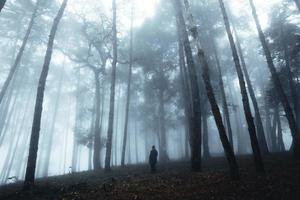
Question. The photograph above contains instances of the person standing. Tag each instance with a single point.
(153, 159)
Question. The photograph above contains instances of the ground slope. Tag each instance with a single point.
(172, 181)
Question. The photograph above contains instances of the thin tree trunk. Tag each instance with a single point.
(115, 145)
(282, 96)
(52, 127)
(136, 140)
(75, 143)
(185, 90)
(206, 153)
(2, 3)
(250, 121)
(163, 156)
(20, 128)
(112, 90)
(273, 133)
(211, 97)
(292, 85)
(260, 129)
(66, 141)
(268, 123)
(280, 144)
(34, 140)
(297, 4)
(9, 119)
(6, 111)
(97, 133)
(223, 95)
(128, 91)
(92, 131)
(195, 93)
(16, 64)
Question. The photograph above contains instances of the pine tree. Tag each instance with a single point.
(35, 132)
(195, 123)
(112, 90)
(247, 110)
(278, 85)
(18, 59)
(2, 3)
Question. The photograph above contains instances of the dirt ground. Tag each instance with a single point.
(173, 181)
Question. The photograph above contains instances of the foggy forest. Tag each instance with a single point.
(149, 99)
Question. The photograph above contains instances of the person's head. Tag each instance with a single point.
(153, 147)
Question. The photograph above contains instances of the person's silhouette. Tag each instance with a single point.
(153, 159)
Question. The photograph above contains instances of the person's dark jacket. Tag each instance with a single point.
(153, 157)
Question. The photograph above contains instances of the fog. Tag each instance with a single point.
(78, 106)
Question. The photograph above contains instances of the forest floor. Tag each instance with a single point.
(173, 181)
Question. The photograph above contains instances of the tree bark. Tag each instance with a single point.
(185, 89)
(250, 121)
(75, 143)
(17, 61)
(223, 95)
(281, 94)
(273, 132)
(292, 85)
(2, 3)
(34, 140)
(297, 4)
(97, 130)
(52, 127)
(195, 94)
(19, 131)
(211, 97)
(112, 90)
(206, 153)
(268, 123)
(163, 156)
(279, 139)
(128, 91)
(259, 125)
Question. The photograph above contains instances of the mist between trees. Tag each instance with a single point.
(90, 85)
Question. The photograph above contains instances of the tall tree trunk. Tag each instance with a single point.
(297, 4)
(35, 133)
(163, 156)
(2, 3)
(274, 130)
(91, 135)
(292, 85)
(19, 133)
(206, 154)
(211, 97)
(115, 136)
(195, 93)
(128, 91)
(16, 63)
(75, 142)
(268, 123)
(112, 90)
(250, 121)
(223, 95)
(282, 96)
(280, 144)
(12, 106)
(5, 111)
(185, 89)
(259, 125)
(136, 140)
(52, 127)
(97, 133)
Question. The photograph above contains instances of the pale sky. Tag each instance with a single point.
(146, 8)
